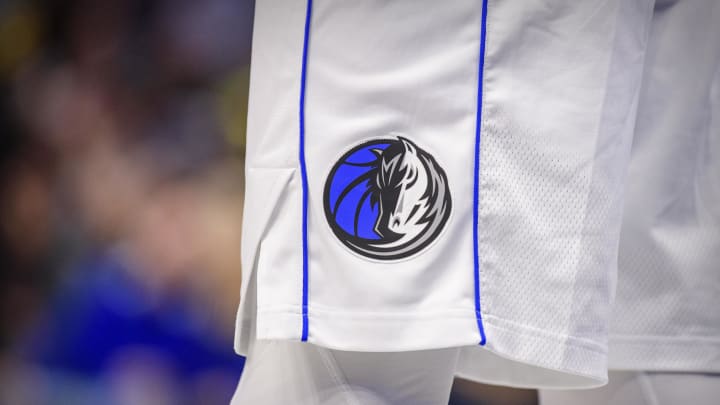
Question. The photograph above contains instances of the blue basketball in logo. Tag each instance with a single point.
(387, 199)
(350, 189)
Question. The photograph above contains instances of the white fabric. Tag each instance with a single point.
(667, 311)
(283, 372)
(643, 388)
(561, 80)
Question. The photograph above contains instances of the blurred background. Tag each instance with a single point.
(121, 139)
(121, 144)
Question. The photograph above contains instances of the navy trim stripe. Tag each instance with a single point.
(476, 185)
(303, 172)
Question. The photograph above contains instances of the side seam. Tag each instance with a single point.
(476, 184)
(303, 172)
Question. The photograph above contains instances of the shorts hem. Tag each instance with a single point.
(514, 355)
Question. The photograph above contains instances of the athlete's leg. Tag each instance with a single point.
(280, 372)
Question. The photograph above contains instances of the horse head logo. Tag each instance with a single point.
(402, 202)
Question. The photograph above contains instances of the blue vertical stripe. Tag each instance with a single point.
(476, 185)
(476, 191)
(303, 172)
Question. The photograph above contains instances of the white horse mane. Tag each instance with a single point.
(412, 194)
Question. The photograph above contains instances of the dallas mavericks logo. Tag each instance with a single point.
(387, 199)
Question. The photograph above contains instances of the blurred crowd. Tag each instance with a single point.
(121, 141)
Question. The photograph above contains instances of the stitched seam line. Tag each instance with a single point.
(476, 183)
(303, 170)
